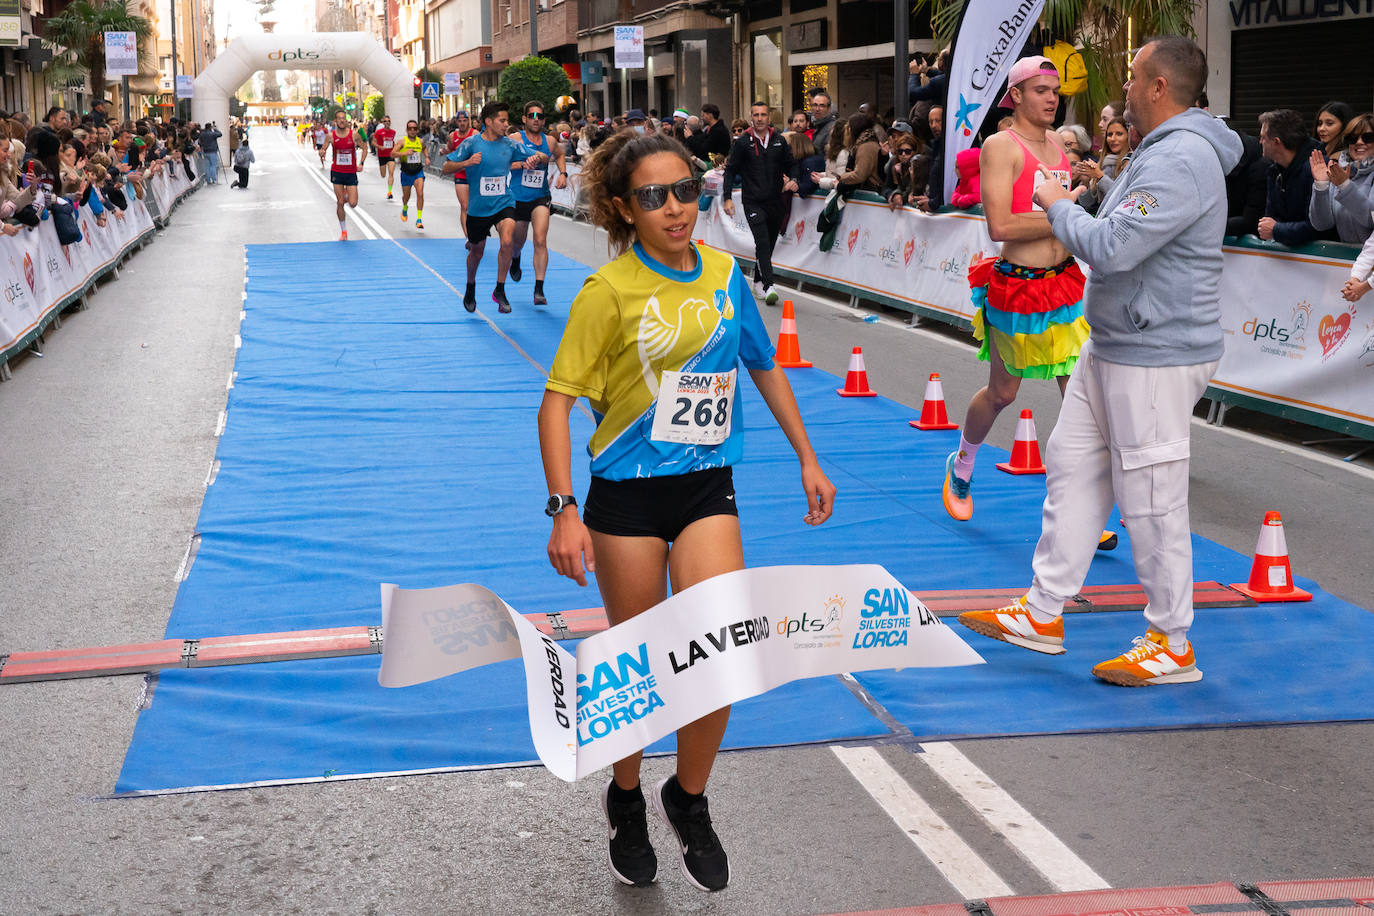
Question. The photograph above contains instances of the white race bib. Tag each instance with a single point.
(493, 186)
(343, 158)
(413, 158)
(532, 178)
(694, 407)
(1062, 176)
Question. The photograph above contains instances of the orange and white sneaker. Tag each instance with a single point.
(956, 492)
(1015, 625)
(343, 236)
(1151, 661)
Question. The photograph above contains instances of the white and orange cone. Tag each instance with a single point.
(789, 345)
(1271, 575)
(933, 414)
(856, 381)
(1025, 452)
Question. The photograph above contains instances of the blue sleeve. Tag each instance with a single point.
(755, 346)
(461, 152)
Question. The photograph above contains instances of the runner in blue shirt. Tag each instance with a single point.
(489, 158)
(533, 202)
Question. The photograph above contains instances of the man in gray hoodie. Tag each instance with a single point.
(1153, 300)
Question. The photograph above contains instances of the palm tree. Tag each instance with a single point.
(1104, 31)
(80, 30)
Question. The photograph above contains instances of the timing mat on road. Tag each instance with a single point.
(378, 432)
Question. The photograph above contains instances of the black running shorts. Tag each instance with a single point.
(524, 209)
(347, 179)
(479, 227)
(658, 507)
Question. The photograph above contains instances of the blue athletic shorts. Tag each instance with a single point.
(407, 179)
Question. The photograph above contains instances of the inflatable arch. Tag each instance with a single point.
(311, 51)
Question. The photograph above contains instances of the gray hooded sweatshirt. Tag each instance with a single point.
(1153, 297)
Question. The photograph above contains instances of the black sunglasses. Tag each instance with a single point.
(653, 196)
(1359, 138)
(906, 151)
(537, 115)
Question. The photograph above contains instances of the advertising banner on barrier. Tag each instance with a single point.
(729, 638)
(1299, 344)
(987, 41)
(39, 273)
(914, 257)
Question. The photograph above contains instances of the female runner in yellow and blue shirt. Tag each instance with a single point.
(654, 341)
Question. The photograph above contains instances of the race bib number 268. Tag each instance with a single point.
(694, 407)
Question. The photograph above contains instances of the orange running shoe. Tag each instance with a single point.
(343, 236)
(1015, 625)
(1151, 661)
(958, 499)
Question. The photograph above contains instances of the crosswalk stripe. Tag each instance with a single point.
(1045, 852)
(963, 868)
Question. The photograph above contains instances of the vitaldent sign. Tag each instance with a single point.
(1249, 14)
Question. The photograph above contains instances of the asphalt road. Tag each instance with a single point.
(108, 440)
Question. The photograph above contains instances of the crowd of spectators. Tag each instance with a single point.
(1300, 179)
(65, 161)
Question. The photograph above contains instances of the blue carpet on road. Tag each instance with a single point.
(377, 432)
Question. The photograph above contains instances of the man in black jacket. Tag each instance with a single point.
(714, 136)
(1246, 188)
(1286, 142)
(763, 162)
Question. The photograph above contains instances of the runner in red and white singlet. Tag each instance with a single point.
(460, 178)
(347, 156)
(384, 141)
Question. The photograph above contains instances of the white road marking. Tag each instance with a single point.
(963, 868)
(1045, 852)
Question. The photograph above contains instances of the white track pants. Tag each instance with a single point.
(1122, 437)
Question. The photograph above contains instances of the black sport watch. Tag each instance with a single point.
(557, 503)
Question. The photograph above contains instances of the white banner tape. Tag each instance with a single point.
(721, 641)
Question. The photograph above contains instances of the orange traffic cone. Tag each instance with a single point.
(856, 382)
(789, 345)
(1025, 452)
(1271, 577)
(933, 414)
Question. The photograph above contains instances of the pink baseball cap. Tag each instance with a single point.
(1023, 70)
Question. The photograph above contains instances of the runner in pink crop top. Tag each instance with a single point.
(1031, 178)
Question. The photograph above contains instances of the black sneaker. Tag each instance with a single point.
(470, 299)
(631, 856)
(515, 272)
(540, 299)
(502, 303)
(703, 859)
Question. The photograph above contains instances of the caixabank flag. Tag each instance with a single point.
(729, 638)
(988, 40)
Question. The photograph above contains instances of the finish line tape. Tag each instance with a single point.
(723, 640)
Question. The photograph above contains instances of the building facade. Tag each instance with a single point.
(459, 37)
(1285, 54)
(689, 55)
(792, 46)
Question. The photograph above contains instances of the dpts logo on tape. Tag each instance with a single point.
(615, 696)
